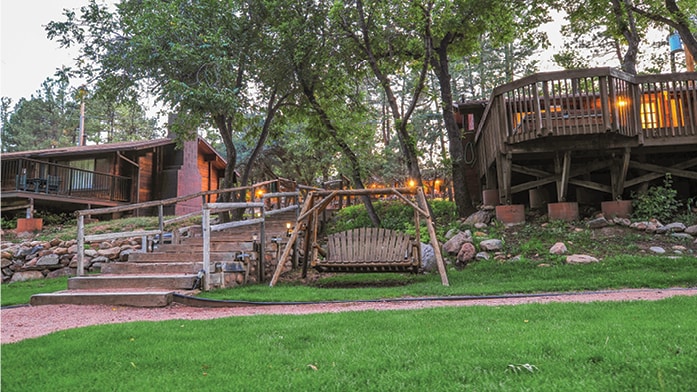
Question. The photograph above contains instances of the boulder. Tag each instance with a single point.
(558, 249)
(675, 227)
(466, 253)
(22, 276)
(480, 216)
(692, 230)
(491, 245)
(428, 258)
(682, 236)
(657, 250)
(453, 245)
(110, 253)
(482, 256)
(597, 222)
(580, 259)
(48, 260)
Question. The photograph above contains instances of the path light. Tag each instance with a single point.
(260, 193)
(289, 229)
(411, 183)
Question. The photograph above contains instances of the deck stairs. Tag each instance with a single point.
(151, 279)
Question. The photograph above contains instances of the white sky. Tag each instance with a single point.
(27, 57)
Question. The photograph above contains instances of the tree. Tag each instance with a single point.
(454, 30)
(49, 118)
(382, 35)
(678, 15)
(194, 56)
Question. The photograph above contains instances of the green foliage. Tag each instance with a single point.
(658, 202)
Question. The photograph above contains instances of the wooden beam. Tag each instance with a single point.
(674, 171)
(434, 240)
(653, 176)
(289, 245)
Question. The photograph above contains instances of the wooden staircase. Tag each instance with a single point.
(151, 279)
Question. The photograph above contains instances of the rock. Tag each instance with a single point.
(558, 249)
(516, 258)
(671, 228)
(60, 251)
(62, 272)
(692, 230)
(621, 221)
(597, 223)
(90, 253)
(23, 276)
(100, 259)
(5, 263)
(480, 226)
(480, 216)
(482, 256)
(466, 253)
(451, 233)
(428, 258)
(110, 253)
(48, 260)
(657, 250)
(55, 242)
(492, 245)
(123, 255)
(453, 245)
(6, 254)
(651, 227)
(72, 248)
(106, 245)
(580, 259)
(682, 236)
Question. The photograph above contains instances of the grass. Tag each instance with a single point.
(484, 278)
(551, 347)
(20, 292)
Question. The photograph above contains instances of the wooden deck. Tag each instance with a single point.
(599, 130)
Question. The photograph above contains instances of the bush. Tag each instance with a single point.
(659, 202)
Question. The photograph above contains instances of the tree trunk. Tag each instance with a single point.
(625, 20)
(440, 65)
(353, 159)
(224, 125)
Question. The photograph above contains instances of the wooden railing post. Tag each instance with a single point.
(80, 245)
(206, 229)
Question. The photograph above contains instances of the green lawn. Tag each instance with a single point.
(20, 292)
(485, 278)
(629, 346)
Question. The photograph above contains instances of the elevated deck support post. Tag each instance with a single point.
(618, 174)
(504, 167)
(80, 245)
(562, 167)
(206, 229)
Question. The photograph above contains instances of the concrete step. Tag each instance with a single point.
(149, 299)
(194, 257)
(151, 268)
(198, 247)
(151, 281)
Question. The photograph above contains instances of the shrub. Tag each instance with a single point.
(659, 202)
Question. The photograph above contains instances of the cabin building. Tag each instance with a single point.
(107, 175)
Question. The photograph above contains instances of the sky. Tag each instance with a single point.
(27, 57)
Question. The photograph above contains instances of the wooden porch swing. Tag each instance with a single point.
(364, 249)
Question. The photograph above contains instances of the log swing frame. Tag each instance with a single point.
(317, 202)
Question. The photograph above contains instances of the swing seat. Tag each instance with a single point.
(370, 249)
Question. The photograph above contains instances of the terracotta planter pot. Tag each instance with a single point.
(566, 211)
(29, 225)
(491, 197)
(511, 214)
(619, 208)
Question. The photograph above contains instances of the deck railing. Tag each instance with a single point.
(31, 175)
(652, 109)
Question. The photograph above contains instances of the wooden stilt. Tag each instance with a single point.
(434, 240)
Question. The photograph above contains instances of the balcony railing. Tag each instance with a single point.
(30, 175)
(653, 109)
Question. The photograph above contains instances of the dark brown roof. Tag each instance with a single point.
(91, 149)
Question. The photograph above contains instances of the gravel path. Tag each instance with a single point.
(32, 321)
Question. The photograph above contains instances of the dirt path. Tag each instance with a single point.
(32, 321)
